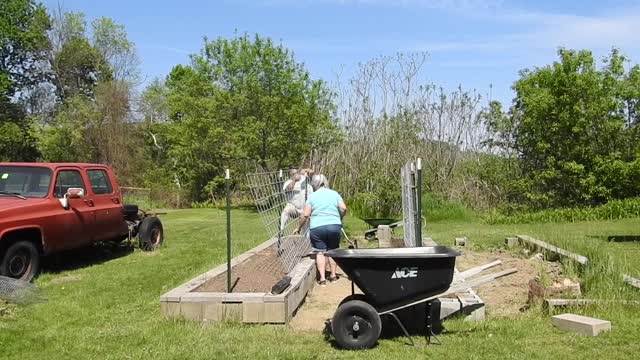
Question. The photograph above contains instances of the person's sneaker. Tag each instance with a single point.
(322, 282)
(333, 279)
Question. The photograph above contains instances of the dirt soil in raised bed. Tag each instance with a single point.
(502, 297)
(255, 275)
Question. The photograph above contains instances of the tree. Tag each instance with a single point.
(23, 45)
(110, 39)
(572, 126)
(243, 98)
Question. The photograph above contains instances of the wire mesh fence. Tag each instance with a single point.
(279, 215)
(18, 291)
(409, 203)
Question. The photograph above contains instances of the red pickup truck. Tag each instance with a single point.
(50, 207)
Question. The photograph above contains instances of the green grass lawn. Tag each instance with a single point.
(109, 305)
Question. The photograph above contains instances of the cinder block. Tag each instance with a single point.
(449, 307)
(191, 311)
(213, 312)
(170, 310)
(511, 242)
(253, 312)
(231, 312)
(580, 324)
(384, 236)
(460, 241)
(275, 313)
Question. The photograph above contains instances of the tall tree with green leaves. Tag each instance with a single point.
(244, 98)
(23, 46)
(573, 126)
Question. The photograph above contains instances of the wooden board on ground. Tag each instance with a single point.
(546, 246)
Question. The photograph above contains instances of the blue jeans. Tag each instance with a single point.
(326, 237)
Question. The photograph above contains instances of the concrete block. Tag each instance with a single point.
(384, 236)
(511, 242)
(460, 241)
(231, 312)
(268, 298)
(191, 311)
(170, 310)
(472, 311)
(213, 312)
(253, 312)
(275, 313)
(580, 324)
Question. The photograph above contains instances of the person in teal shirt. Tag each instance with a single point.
(325, 209)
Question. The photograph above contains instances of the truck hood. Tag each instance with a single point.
(8, 203)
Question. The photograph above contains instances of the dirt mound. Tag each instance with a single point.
(507, 295)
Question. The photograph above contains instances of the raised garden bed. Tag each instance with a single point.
(204, 298)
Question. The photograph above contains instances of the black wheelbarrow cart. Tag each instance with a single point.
(392, 279)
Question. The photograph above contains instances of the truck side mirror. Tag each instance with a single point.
(72, 193)
(75, 193)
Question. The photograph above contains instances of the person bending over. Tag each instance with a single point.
(296, 190)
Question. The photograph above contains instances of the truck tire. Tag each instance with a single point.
(150, 233)
(21, 261)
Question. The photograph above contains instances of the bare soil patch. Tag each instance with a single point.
(65, 279)
(256, 274)
(320, 305)
(508, 295)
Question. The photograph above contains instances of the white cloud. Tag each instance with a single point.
(549, 31)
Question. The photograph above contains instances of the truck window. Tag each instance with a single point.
(67, 179)
(99, 181)
(28, 181)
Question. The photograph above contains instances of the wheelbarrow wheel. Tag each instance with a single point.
(356, 325)
(360, 297)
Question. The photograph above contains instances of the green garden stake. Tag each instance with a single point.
(227, 179)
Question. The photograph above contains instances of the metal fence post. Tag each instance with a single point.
(419, 202)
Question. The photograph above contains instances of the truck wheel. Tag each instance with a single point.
(21, 261)
(150, 233)
(356, 325)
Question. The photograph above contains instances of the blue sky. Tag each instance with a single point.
(473, 43)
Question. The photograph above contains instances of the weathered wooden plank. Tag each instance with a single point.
(475, 271)
(543, 245)
(553, 303)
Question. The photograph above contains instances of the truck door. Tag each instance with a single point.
(109, 223)
(74, 225)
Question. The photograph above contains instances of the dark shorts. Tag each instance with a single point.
(325, 237)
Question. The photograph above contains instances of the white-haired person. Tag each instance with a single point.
(296, 190)
(325, 210)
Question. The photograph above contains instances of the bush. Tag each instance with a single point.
(437, 208)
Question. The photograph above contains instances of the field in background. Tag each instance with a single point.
(106, 306)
